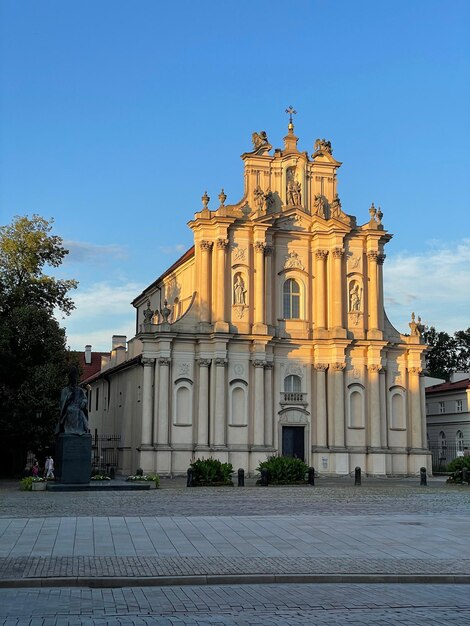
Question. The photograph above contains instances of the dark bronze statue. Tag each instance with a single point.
(73, 407)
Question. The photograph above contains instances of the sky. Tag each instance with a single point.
(116, 116)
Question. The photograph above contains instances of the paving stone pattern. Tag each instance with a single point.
(254, 605)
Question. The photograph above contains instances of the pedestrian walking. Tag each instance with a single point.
(49, 467)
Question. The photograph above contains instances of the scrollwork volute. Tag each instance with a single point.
(147, 361)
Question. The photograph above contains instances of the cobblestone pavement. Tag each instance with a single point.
(227, 605)
(327, 497)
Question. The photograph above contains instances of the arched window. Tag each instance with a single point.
(442, 445)
(291, 299)
(459, 441)
(292, 383)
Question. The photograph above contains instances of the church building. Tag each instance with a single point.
(269, 336)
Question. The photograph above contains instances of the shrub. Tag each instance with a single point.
(99, 477)
(211, 472)
(459, 463)
(284, 470)
(26, 484)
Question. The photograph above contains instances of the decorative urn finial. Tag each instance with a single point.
(222, 197)
(205, 200)
(165, 312)
(372, 211)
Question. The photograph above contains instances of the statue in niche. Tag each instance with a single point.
(73, 418)
(320, 205)
(355, 297)
(239, 291)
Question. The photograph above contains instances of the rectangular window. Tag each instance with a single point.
(459, 406)
(97, 396)
(442, 407)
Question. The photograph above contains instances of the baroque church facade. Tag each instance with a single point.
(269, 336)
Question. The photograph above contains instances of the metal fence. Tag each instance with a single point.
(105, 453)
(442, 455)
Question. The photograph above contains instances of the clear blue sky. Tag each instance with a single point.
(116, 116)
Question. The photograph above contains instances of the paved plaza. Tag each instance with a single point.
(224, 555)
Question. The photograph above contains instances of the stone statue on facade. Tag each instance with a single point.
(73, 417)
(416, 328)
(354, 298)
(320, 205)
(336, 210)
(322, 145)
(259, 198)
(269, 200)
(260, 142)
(239, 291)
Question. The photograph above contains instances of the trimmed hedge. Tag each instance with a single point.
(211, 472)
(284, 470)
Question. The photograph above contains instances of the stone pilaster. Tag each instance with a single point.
(205, 288)
(258, 417)
(338, 370)
(374, 406)
(221, 324)
(320, 291)
(373, 296)
(415, 393)
(321, 414)
(203, 405)
(268, 403)
(163, 402)
(220, 408)
(259, 325)
(147, 402)
(338, 289)
(268, 255)
(380, 288)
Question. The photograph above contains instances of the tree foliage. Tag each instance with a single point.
(447, 353)
(34, 356)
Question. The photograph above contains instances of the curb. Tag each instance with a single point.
(235, 579)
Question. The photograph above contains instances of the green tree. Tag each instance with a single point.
(447, 354)
(33, 351)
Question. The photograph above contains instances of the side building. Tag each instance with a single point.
(448, 419)
(269, 336)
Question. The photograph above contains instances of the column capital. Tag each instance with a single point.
(321, 367)
(269, 365)
(373, 255)
(416, 371)
(381, 258)
(146, 361)
(321, 254)
(204, 362)
(338, 367)
(221, 362)
(374, 368)
(222, 244)
(259, 246)
(338, 253)
(164, 361)
(259, 363)
(206, 246)
(268, 250)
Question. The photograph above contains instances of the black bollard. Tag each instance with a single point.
(264, 477)
(241, 477)
(311, 476)
(465, 474)
(190, 477)
(112, 472)
(139, 471)
(423, 478)
(357, 476)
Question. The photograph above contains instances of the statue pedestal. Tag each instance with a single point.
(73, 458)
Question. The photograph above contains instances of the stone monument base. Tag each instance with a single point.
(73, 458)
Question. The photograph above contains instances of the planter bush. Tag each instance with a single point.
(211, 472)
(26, 484)
(152, 478)
(284, 470)
(456, 466)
